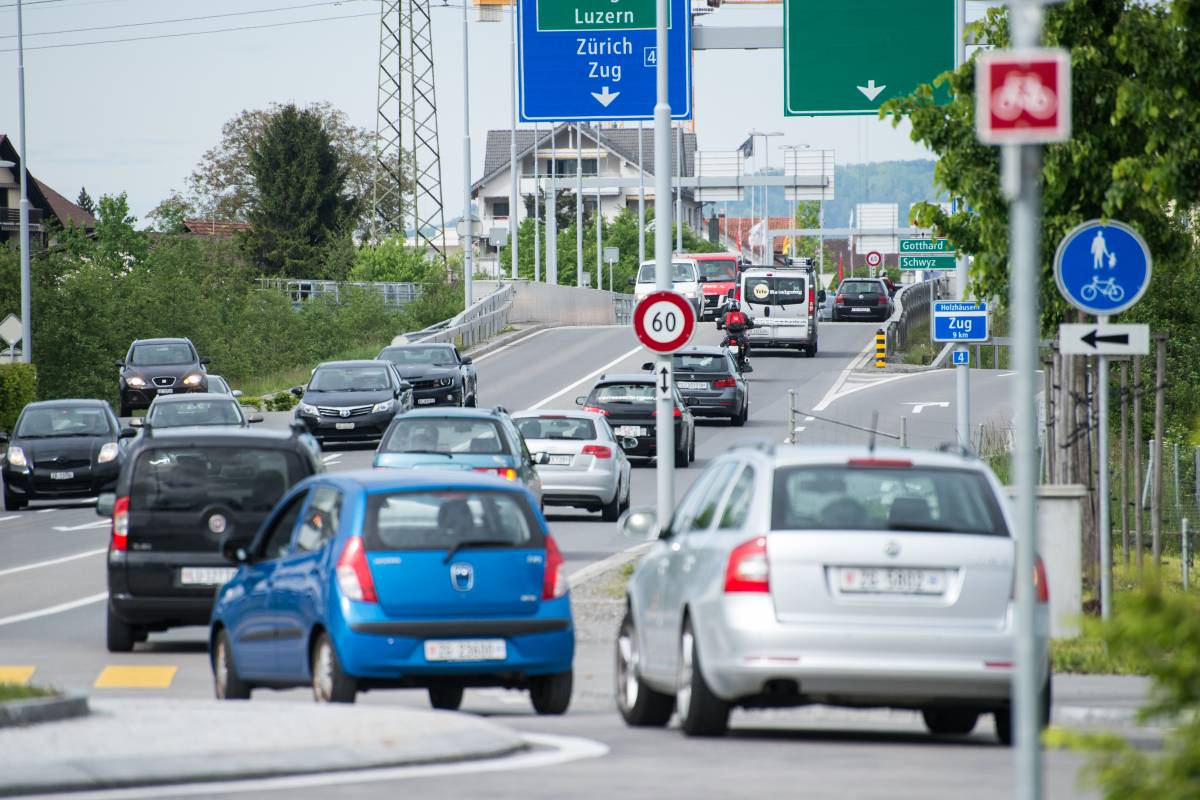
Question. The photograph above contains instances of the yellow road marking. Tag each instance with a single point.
(17, 675)
(126, 677)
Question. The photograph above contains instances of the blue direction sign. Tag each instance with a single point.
(955, 321)
(1102, 268)
(962, 357)
(595, 60)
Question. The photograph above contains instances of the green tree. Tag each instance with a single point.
(85, 201)
(168, 215)
(392, 260)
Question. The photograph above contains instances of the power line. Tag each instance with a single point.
(193, 33)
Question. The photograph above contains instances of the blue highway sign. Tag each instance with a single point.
(1102, 268)
(955, 321)
(595, 60)
(962, 357)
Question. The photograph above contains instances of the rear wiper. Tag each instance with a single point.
(914, 526)
(465, 543)
(421, 453)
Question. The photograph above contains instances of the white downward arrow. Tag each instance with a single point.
(605, 97)
(871, 90)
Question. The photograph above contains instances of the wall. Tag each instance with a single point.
(562, 305)
(1060, 544)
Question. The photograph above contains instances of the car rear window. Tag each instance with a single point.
(186, 478)
(63, 422)
(885, 498)
(861, 287)
(551, 427)
(718, 271)
(625, 393)
(775, 291)
(681, 272)
(349, 379)
(159, 355)
(445, 435)
(441, 519)
(701, 363)
(177, 414)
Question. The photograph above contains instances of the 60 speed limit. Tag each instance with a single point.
(664, 321)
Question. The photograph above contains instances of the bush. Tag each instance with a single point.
(18, 388)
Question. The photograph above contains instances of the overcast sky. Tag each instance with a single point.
(136, 116)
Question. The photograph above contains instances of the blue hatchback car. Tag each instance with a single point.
(394, 579)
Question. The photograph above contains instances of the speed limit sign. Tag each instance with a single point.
(664, 321)
(874, 259)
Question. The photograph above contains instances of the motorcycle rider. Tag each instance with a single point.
(736, 322)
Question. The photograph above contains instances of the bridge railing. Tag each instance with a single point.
(483, 320)
(911, 319)
(299, 290)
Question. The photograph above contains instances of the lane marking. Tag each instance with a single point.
(330, 458)
(810, 419)
(58, 609)
(917, 408)
(6, 519)
(18, 675)
(47, 510)
(522, 340)
(87, 526)
(139, 677)
(586, 378)
(53, 561)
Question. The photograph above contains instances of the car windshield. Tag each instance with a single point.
(217, 385)
(63, 421)
(681, 272)
(885, 498)
(420, 356)
(181, 413)
(775, 291)
(718, 270)
(860, 287)
(700, 362)
(186, 478)
(161, 355)
(625, 393)
(349, 379)
(552, 427)
(445, 435)
(445, 519)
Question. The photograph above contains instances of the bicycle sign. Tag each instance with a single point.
(664, 321)
(1102, 268)
(1023, 96)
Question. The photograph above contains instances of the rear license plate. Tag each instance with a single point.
(855, 580)
(166, 391)
(426, 401)
(630, 430)
(466, 650)
(702, 385)
(61, 476)
(206, 576)
(560, 461)
(859, 310)
(344, 426)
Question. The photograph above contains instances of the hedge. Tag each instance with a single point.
(18, 388)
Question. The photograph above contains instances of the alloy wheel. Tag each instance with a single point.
(683, 684)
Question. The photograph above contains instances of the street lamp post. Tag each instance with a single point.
(792, 148)
(26, 289)
(469, 238)
(768, 245)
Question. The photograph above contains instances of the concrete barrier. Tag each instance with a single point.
(563, 305)
(1060, 544)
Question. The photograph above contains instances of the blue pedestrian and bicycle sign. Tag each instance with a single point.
(1102, 268)
(960, 321)
(596, 60)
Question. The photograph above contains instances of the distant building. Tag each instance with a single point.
(217, 228)
(45, 204)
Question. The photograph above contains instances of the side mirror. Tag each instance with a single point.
(628, 443)
(466, 361)
(540, 459)
(821, 296)
(205, 361)
(640, 524)
(580, 400)
(4, 437)
(747, 369)
(648, 366)
(298, 391)
(137, 422)
(121, 363)
(254, 418)
(235, 550)
(105, 503)
(129, 433)
(237, 392)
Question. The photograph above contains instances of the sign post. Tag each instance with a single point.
(663, 213)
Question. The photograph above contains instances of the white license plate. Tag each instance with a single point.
(703, 385)
(61, 476)
(857, 580)
(859, 310)
(166, 391)
(344, 426)
(206, 576)
(560, 461)
(466, 650)
(733, 348)
(630, 430)
(426, 401)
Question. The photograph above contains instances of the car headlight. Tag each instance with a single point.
(386, 405)
(446, 382)
(193, 379)
(136, 382)
(307, 410)
(108, 452)
(16, 458)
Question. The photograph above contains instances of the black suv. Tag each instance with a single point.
(181, 497)
(628, 402)
(352, 400)
(438, 374)
(159, 366)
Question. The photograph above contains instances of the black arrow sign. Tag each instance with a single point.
(664, 379)
(1093, 338)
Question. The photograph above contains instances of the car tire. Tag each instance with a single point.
(329, 682)
(1003, 717)
(471, 403)
(950, 721)
(692, 447)
(681, 458)
(226, 683)
(126, 411)
(611, 512)
(739, 419)
(446, 698)
(551, 694)
(12, 502)
(639, 705)
(701, 713)
(119, 635)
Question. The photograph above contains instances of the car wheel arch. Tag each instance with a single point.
(314, 634)
(217, 628)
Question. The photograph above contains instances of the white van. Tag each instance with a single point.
(783, 304)
(685, 279)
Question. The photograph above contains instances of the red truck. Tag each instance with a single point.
(718, 278)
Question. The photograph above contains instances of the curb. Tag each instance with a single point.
(613, 563)
(17, 713)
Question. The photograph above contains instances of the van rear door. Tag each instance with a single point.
(781, 304)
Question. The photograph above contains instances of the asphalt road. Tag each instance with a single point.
(52, 588)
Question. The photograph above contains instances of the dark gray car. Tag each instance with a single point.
(352, 400)
(711, 385)
(439, 375)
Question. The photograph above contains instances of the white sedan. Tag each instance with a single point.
(584, 464)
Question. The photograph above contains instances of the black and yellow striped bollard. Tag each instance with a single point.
(880, 349)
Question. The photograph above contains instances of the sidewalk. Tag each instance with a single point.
(146, 742)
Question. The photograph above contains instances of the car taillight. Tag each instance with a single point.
(595, 410)
(354, 574)
(678, 413)
(812, 300)
(120, 524)
(882, 301)
(725, 383)
(508, 473)
(597, 450)
(1041, 586)
(840, 300)
(554, 582)
(748, 569)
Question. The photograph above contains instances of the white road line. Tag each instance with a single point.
(329, 459)
(47, 510)
(53, 561)
(522, 340)
(87, 526)
(6, 519)
(58, 609)
(586, 378)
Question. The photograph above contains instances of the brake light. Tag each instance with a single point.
(354, 574)
(597, 450)
(812, 300)
(554, 582)
(839, 300)
(508, 473)
(882, 300)
(725, 383)
(748, 569)
(1041, 585)
(120, 524)
(595, 410)
(884, 463)
(678, 413)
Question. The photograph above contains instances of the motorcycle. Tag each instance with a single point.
(738, 347)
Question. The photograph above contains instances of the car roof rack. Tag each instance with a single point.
(954, 448)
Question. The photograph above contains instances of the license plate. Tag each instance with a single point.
(466, 650)
(703, 385)
(856, 580)
(206, 576)
(61, 476)
(630, 430)
(344, 426)
(733, 348)
(859, 310)
(166, 391)
(560, 461)
(426, 401)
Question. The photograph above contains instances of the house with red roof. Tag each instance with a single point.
(46, 206)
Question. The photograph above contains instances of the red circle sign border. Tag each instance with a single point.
(689, 325)
(877, 256)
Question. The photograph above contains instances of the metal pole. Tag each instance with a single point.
(791, 437)
(665, 422)
(1139, 501)
(641, 197)
(1103, 497)
(962, 372)
(599, 220)
(578, 205)
(1124, 462)
(1185, 551)
(679, 189)
(515, 195)
(537, 223)
(552, 212)
(468, 226)
(1156, 495)
(26, 289)
(904, 432)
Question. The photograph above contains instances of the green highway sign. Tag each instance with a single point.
(925, 246)
(851, 56)
(596, 15)
(927, 262)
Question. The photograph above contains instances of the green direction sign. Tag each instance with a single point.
(596, 15)
(927, 262)
(851, 56)
(925, 246)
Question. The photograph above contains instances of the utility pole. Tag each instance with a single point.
(599, 219)
(578, 205)
(26, 289)
(641, 197)
(513, 172)
(678, 190)
(665, 420)
(468, 223)
(962, 372)
(537, 223)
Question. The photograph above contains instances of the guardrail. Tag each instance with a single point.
(394, 294)
(912, 317)
(483, 320)
(623, 305)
